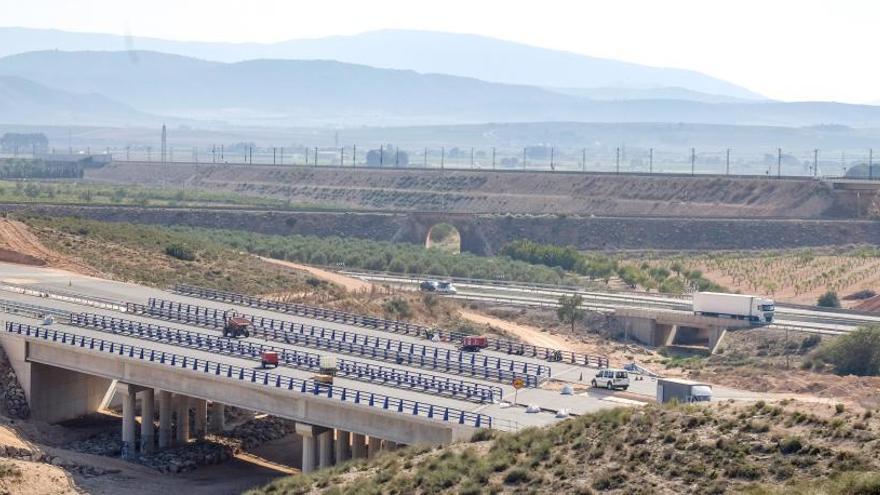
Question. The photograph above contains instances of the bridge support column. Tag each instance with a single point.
(358, 446)
(128, 395)
(182, 419)
(218, 418)
(164, 419)
(342, 450)
(201, 408)
(310, 435)
(147, 426)
(325, 449)
(373, 447)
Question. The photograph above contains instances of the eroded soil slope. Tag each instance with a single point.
(498, 192)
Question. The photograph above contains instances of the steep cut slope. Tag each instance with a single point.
(496, 192)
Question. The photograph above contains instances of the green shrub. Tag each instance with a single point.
(829, 300)
(181, 252)
(856, 353)
(516, 476)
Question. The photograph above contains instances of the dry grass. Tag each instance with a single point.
(720, 449)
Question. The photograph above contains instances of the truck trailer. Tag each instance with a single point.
(754, 309)
(685, 391)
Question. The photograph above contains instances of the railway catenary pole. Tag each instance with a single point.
(778, 163)
(693, 161)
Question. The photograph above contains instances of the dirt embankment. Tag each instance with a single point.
(502, 192)
(19, 245)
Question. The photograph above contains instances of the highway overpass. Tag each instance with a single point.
(164, 355)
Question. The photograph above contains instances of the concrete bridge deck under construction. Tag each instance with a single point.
(65, 375)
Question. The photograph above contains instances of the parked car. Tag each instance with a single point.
(611, 379)
(446, 288)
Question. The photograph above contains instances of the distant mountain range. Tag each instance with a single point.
(317, 92)
(426, 52)
(26, 102)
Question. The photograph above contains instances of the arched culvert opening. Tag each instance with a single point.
(445, 237)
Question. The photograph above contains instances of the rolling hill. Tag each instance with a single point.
(319, 92)
(26, 102)
(463, 55)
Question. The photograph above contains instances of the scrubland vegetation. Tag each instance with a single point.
(760, 448)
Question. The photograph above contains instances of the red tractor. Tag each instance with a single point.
(473, 343)
(237, 326)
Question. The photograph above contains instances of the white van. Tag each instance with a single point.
(611, 378)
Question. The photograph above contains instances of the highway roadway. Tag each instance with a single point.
(54, 290)
(804, 319)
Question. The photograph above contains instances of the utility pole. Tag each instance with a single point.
(342, 156)
(651, 161)
(584, 160)
(223, 153)
(727, 161)
(273, 156)
(552, 167)
(397, 157)
(617, 160)
(815, 162)
(778, 163)
(316, 156)
(381, 155)
(164, 142)
(354, 152)
(693, 161)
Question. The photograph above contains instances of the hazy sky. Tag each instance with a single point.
(785, 49)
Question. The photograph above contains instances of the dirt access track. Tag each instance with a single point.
(502, 192)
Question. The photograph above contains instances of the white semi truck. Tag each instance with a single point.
(754, 309)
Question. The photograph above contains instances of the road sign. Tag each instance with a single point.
(518, 383)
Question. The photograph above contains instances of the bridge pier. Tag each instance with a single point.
(342, 448)
(358, 446)
(182, 403)
(165, 405)
(147, 426)
(128, 393)
(201, 420)
(313, 449)
(373, 447)
(325, 449)
(218, 417)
